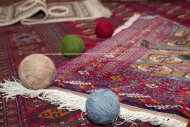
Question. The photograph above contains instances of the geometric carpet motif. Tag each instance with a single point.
(148, 78)
(45, 39)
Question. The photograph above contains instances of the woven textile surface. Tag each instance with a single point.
(15, 45)
(138, 75)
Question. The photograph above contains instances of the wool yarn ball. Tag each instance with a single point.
(188, 124)
(72, 45)
(102, 106)
(36, 71)
(104, 29)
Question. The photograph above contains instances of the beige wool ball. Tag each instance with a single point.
(36, 71)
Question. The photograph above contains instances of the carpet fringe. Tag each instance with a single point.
(72, 102)
(163, 121)
(127, 24)
(66, 100)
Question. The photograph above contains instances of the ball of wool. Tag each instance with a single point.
(102, 107)
(104, 29)
(36, 71)
(72, 45)
(188, 124)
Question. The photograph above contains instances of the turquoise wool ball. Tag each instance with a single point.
(102, 106)
(72, 45)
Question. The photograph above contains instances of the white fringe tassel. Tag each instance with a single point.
(131, 116)
(127, 24)
(73, 102)
(65, 100)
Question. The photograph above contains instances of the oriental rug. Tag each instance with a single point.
(147, 78)
(19, 41)
(35, 112)
(38, 11)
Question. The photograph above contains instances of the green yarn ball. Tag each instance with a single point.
(72, 45)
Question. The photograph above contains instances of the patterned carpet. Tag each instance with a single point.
(138, 75)
(18, 41)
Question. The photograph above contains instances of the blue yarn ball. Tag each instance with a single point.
(102, 106)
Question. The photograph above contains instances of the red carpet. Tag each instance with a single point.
(18, 41)
(138, 75)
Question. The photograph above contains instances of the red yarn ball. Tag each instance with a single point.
(104, 29)
(188, 124)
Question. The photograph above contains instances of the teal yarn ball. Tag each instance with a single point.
(72, 45)
(102, 107)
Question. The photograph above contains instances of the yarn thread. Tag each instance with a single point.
(102, 106)
(36, 71)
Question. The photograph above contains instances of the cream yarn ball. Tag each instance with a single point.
(36, 71)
